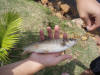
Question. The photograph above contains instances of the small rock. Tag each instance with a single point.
(79, 22)
(52, 8)
(50, 4)
(65, 8)
(59, 3)
(69, 24)
(84, 38)
(44, 2)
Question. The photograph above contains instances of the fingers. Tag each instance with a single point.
(65, 36)
(56, 54)
(95, 25)
(97, 21)
(50, 34)
(56, 34)
(91, 23)
(53, 54)
(42, 35)
(97, 39)
(63, 57)
(91, 28)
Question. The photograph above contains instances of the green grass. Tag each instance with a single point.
(33, 14)
(83, 53)
(36, 17)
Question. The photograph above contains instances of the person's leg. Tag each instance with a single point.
(87, 72)
(94, 68)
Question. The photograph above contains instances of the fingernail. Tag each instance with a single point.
(56, 27)
(48, 28)
(88, 28)
(50, 35)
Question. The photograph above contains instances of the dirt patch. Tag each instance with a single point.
(66, 8)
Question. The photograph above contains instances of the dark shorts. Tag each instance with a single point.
(95, 66)
(98, 1)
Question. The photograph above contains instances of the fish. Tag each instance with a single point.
(50, 46)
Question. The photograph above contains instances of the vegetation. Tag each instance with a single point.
(36, 17)
(9, 27)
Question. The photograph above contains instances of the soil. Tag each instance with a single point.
(66, 8)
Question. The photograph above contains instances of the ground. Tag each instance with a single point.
(36, 17)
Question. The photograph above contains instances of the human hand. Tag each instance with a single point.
(47, 60)
(89, 11)
(50, 59)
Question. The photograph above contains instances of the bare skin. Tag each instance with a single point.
(89, 11)
(36, 61)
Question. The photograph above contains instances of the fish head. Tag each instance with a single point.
(69, 42)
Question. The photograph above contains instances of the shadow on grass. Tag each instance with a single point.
(59, 69)
(25, 39)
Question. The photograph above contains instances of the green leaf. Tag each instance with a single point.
(10, 24)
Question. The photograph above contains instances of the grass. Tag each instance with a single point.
(32, 13)
(36, 17)
(83, 53)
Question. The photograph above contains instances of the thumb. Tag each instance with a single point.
(63, 57)
(96, 25)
